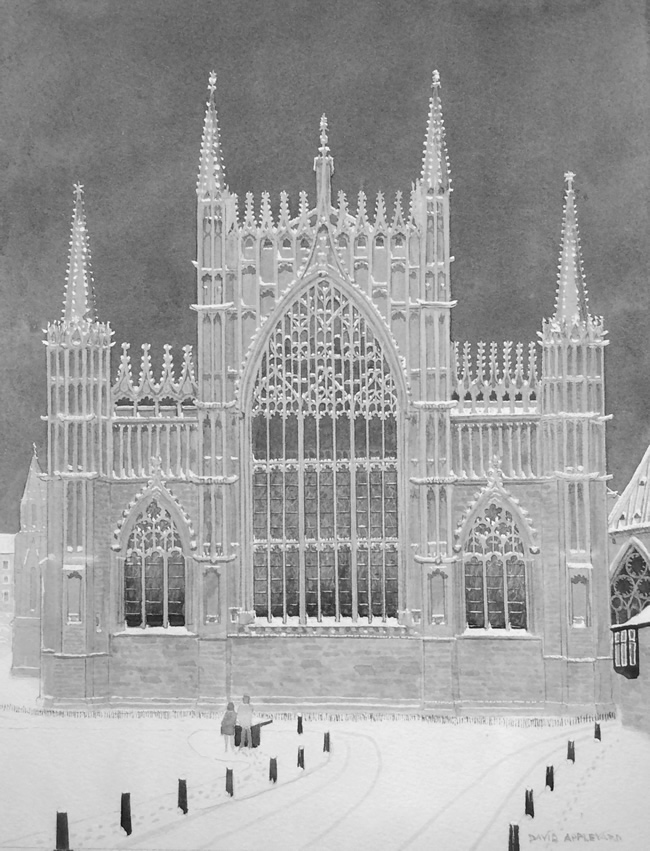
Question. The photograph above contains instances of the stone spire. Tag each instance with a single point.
(435, 162)
(212, 178)
(571, 302)
(324, 168)
(78, 301)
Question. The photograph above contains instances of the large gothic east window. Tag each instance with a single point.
(495, 572)
(154, 571)
(630, 588)
(324, 446)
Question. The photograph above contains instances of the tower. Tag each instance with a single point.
(429, 429)
(79, 440)
(219, 343)
(573, 456)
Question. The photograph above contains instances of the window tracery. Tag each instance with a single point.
(495, 572)
(154, 571)
(324, 446)
(630, 587)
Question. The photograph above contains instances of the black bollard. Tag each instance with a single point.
(182, 796)
(125, 817)
(550, 779)
(300, 725)
(273, 769)
(513, 838)
(326, 743)
(62, 836)
(571, 751)
(230, 786)
(597, 732)
(530, 806)
(301, 757)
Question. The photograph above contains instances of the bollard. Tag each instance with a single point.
(301, 757)
(182, 796)
(62, 836)
(273, 769)
(326, 743)
(597, 732)
(513, 838)
(125, 817)
(530, 806)
(550, 779)
(300, 725)
(230, 786)
(571, 751)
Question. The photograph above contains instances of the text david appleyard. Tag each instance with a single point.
(560, 838)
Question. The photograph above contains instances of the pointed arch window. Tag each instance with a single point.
(630, 587)
(154, 571)
(324, 457)
(495, 572)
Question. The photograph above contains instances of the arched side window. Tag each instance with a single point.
(630, 587)
(154, 571)
(324, 461)
(495, 572)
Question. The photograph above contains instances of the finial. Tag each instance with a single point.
(569, 178)
(212, 82)
(323, 135)
(78, 192)
(435, 79)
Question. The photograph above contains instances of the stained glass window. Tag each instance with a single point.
(154, 572)
(324, 447)
(495, 572)
(630, 588)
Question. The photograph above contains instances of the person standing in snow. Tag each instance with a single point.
(228, 727)
(245, 721)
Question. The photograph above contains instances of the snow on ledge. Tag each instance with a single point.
(156, 630)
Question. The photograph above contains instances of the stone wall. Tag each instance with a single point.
(323, 671)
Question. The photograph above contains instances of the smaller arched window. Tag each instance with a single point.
(630, 588)
(154, 571)
(495, 572)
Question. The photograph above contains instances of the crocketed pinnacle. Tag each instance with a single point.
(212, 179)
(571, 302)
(324, 168)
(435, 163)
(79, 301)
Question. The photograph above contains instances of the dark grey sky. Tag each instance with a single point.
(112, 93)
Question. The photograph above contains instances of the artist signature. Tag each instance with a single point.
(552, 837)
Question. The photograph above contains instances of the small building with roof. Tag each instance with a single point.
(629, 529)
(6, 572)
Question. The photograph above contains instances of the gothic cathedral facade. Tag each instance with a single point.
(331, 503)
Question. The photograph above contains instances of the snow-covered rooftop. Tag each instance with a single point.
(632, 509)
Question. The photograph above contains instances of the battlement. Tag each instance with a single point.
(494, 384)
(151, 393)
(263, 221)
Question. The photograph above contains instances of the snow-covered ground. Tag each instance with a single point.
(393, 785)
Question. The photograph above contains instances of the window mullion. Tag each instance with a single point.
(165, 600)
(143, 586)
(353, 470)
(301, 517)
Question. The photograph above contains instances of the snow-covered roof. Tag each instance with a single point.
(632, 509)
(6, 542)
(642, 619)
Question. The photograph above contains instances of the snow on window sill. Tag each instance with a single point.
(496, 633)
(155, 630)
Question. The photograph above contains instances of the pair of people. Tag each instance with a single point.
(244, 717)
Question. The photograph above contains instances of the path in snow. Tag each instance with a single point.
(393, 785)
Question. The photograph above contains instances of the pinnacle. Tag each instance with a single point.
(435, 162)
(78, 301)
(211, 180)
(571, 302)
